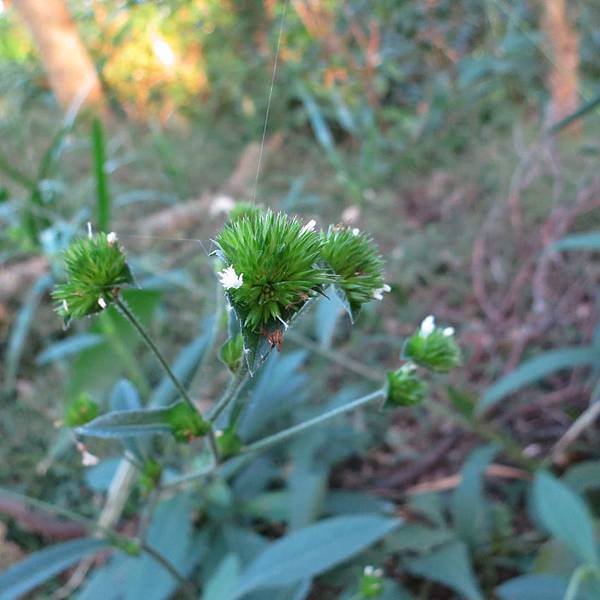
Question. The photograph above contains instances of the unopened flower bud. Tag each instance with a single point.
(405, 387)
(433, 348)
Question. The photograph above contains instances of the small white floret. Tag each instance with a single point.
(102, 303)
(378, 293)
(448, 332)
(427, 326)
(230, 279)
(88, 459)
(111, 238)
(310, 226)
(89, 230)
(65, 306)
(355, 231)
(368, 570)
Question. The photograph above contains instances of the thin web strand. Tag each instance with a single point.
(270, 97)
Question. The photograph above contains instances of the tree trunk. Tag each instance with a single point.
(562, 42)
(71, 72)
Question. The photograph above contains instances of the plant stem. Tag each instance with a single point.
(186, 586)
(231, 392)
(128, 314)
(274, 439)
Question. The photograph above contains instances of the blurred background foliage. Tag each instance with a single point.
(427, 123)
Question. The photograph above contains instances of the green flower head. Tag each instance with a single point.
(371, 582)
(405, 387)
(272, 267)
(96, 269)
(356, 261)
(80, 411)
(433, 347)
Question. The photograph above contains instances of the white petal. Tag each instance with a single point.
(88, 459)
(102, 302)
(448, 332)
(65, 306)
(111, 238)
(355, 231)
(386, 288)
(230, 279)
(89, 229)
(310, 226)
(427, 326)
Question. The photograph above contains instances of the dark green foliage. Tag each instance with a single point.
(278, 260)
(357, 263)
(96, 268)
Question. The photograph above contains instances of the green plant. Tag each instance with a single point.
(270, 268)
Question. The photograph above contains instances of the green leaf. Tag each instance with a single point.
(470, 512)
(221, 585)
(67, 348)
(450, 566)
(526, 587)
(583, 476)
(103, 201)
(313, 550)
(580, 241)
(41, 566)
(179, 419)
(565, 516)
(415, 537)
(534, 370)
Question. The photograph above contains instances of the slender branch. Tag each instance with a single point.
(276, 438)
(186, 586)
(236, 383)
(128, 314)
(584, 420)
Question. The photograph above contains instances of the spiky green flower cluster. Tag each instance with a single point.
(357, 263)
(272, 267)
(96, 268)
(405, 387)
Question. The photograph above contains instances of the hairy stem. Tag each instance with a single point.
(128, 314)
(187, 588)
(236, 383)
(276, 438)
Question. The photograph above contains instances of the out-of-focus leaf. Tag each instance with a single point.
(340, 502)
(580, 241)
(470, 512)
(67, 348)
(41, 566)
(103, 200)
(583, 476)
(415, 537)
(526, 587)
(450, 566)
(314, 550)
(534, 370)
(98, 477)
(317, 122)
(565, 516)
(430, 506)
(326, 316)
(20, 329)
(222, 584)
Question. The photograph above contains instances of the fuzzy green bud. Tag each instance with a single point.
(232, 351)
(186, 423)
(405, 387)
(96, 269)
(433, 347)
(371, 583)
(357, 263)
(80, 411)
(271, 268)
(129, 546)
(229, 442)
(150, 475)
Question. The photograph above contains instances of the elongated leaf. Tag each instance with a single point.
(67, 348)
(526, 587)
(127, 423)
(314, 550)
(578, 114)
(580, 241)
(41, 566)
(469, 507)
(103, 201)
(20, 329)
(449, 566)
(222, 584)
(534, 370)
(565, 516)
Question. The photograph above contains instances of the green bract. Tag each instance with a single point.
(80, 411)
(433, 348)
(356, 261)
(272, 267)
(96, 268)
(405, 388)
